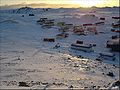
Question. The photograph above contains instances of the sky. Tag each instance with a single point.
(80, 3)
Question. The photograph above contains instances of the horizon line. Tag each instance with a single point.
(67, 5)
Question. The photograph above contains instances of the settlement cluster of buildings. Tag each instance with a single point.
(84, 29)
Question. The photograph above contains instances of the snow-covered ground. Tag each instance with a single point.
(24, 57)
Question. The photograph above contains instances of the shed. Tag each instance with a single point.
(82, 47)
(49, 39)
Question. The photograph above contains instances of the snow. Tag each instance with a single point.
(85, 19)
(25, 57)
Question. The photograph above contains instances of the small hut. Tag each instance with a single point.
(99, 23)
(31, 15)
(82, 47)
(62, 35)
(117, 30)
(70, 26)
(78, 30)
(49, 40)
(79, 42)
(49, 22)
(102, 18)
(116, 19)
(106, 56)
(63, 29)
(92, 29)
(114, 44)
(116, 25)
(41, 21)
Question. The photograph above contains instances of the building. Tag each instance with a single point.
(106, 56)
(114, 44)
(82, 47)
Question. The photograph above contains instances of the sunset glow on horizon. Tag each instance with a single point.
(71, 3)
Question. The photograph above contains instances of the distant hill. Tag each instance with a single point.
(28, 10)
(25, 10)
